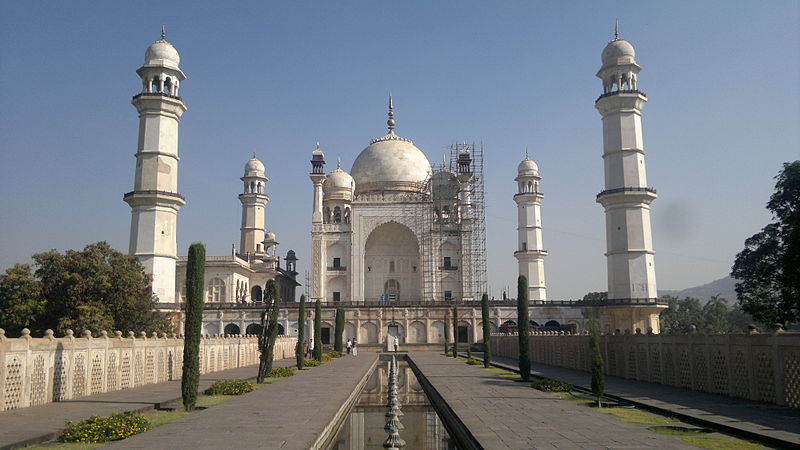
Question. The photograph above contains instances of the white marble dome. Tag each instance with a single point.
(338, 180)
(528, 168)
(618, 51)
(390, 163)
(254, 168)
(162, 53)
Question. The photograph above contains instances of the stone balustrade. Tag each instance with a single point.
(35, 371)
(761, 367)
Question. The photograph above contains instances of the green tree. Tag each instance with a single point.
(195, 273)
(524, 328)
(595, 296)
(318, 330)
(455, 332)
(338, 342)
(683, 316)
(299, 351)
(598, 374)
(487, 330)
(21, 301)
(446, 332)
(272, 297)
(716, 315)
(96, 287)
(768, 269)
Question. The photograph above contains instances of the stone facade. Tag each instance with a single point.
(35, 371)
(761, 367)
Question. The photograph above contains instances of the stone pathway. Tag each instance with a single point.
(503, 414)
(46, 422)
(290, 414)
(772, 421)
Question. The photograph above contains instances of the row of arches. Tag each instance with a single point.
(167, 85)
(234, 329)
(253, 187)
(336, 215)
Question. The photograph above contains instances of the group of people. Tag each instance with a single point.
(351, 346)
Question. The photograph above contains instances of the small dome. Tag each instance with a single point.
(618, 51)
(162, 53)
(338, 179)
(528, 168)
(269, 236)
(390, 163)
(254, 168)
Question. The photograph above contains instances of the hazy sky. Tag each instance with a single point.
(722, 79)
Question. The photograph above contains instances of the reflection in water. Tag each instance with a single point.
(364, 427)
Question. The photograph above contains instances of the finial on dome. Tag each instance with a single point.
(616, 29)
(254, 154)
(526, 153)
(317, 145)
(391, 122)
(163, 32)
(338, 162)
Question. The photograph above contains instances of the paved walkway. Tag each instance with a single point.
(290, 414)
(46, 422)
(503, 414)
(773, 421)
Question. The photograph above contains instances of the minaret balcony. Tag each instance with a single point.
(623, 91)
(156, 94)
(337, 269)
(532, 253)
(147, 197)
(448, 267)
(638, 194)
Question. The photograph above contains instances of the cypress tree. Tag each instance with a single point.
(523, 328)
(318, 330)
(338, 345)
(195, 272)
(299, 352)
(598, 377)
(446, 332)
(455, 332)
(487, 330)
(272, 297)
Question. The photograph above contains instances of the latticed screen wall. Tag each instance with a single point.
(761, 367)
(35, 371)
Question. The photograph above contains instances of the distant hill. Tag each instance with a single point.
(724, 287)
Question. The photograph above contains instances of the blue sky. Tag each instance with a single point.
(722, 77)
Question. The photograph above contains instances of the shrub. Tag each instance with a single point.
(548, 385)
(229, 387)
(280, 372)
(195, 274)
(311, 363)
(326, 357)
(335, 354)
(474, 362)
(103, 429)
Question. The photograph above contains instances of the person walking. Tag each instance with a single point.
(349, 346)
(355, 348)
(305, 349)
(311, 349)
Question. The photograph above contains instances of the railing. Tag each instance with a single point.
(337, 268)
(156, 192)
(448, 267)
(626, 189)
(623, 91)
(156, 94)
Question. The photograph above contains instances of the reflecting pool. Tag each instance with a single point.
(364, 427)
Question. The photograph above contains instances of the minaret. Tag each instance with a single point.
(154, 200)
(254, 201)
(530, 253)
(317, 176)
(626, 197)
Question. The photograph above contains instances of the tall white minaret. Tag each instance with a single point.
(254, 200)
(154, 200)
(318, 178)
(530, 253)
(626, 197)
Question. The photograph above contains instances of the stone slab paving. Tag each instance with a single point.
(779, 422)
(503, 414)
(288, 414)
(41, 423)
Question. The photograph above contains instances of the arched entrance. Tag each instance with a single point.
(232, 328)
(253, 328)
(255, 294)
(391, 262)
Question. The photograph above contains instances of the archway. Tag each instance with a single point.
(255, 295)
(368, 334)
(349, 331)
(232, 328)
(437, 332)
(416, 333)
(507, 326)
(253, 328)
(552, 323)
(210, 328)
(281, 331)
(392, 253)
